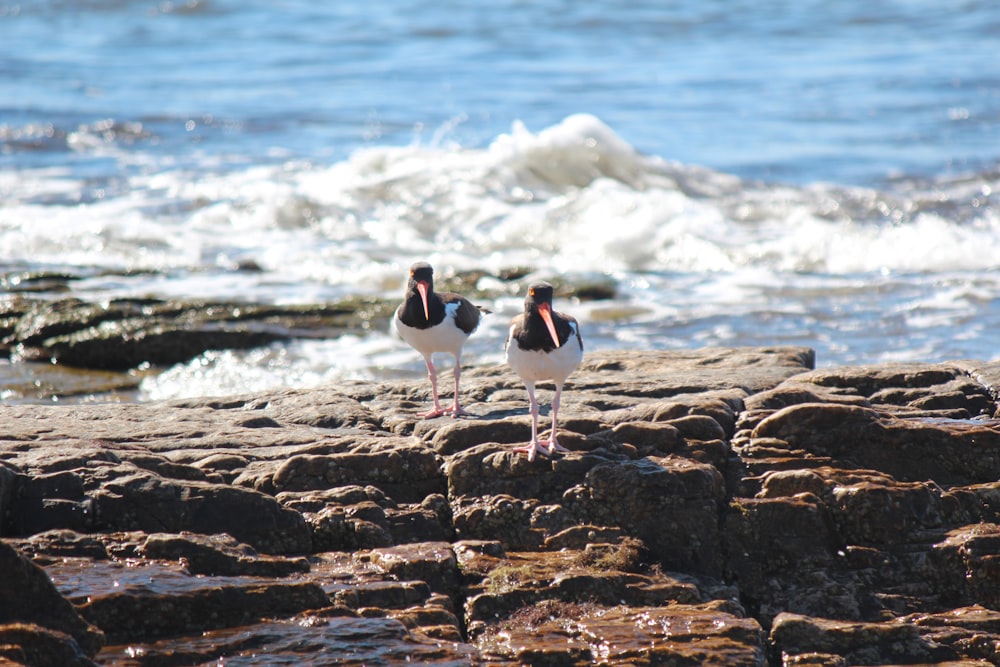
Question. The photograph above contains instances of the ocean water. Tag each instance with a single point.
(747, 173)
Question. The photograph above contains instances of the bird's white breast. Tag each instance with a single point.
(536, 366)
(442, 337)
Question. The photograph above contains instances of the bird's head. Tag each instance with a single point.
(539, 300)
(422, 282)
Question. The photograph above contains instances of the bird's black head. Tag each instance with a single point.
(422, 272)
(538, 293)
(541, 323)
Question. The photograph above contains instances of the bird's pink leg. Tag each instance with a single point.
(432, 374)
(535, 447)
(456, 410)
(553, 444)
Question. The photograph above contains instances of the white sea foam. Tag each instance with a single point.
(700, 257)
(302, 364)
(571, 195)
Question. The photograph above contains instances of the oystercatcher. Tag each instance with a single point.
(543, 345)
(436, 322)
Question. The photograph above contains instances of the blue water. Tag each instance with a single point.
(799, 91)
(767, 172)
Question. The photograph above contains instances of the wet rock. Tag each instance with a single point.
(520, 580)
(367, 640)
(431, 562)
(62, 544)
(134, 615)
(857, 643)
(382, 594)
(34, 607)
(125, 333)
(41, 320)
(33, 280)
(968, 631)
(577, 634)
(217, 555)
(476, 558)
(130, 343)
(33, 645)
(432, 620)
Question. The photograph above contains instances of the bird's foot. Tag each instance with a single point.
(533, 450)
(457, 411)
(553, 445)
(431, 414)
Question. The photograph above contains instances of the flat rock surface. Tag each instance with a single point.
(719, 506)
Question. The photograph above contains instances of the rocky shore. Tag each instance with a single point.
(720, 507)
(68, 348)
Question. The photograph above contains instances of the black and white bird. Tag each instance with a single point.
(436, 322)
(543, 345)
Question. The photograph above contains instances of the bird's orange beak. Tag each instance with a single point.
(546, 312)
(422, 288)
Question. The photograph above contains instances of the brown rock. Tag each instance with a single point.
(457, 436)
(148, 502)
(657, 439)
(219, 555)
(28, 596)
(490, 469)
(573, 633)
(908, 449)
(699, 427)
(406, 473)
(430, 562)
(971, 556)
(135, 615)
(383, 594)
(858, 643)
(502, 518)
(431, 620)
(63, 544)
(853, 497)
(34, 645)
(671, 504)
(968, 631)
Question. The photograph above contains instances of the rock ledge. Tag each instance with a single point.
(721, 506)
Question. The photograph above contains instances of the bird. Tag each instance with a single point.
(436, 322)
(543, 345)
